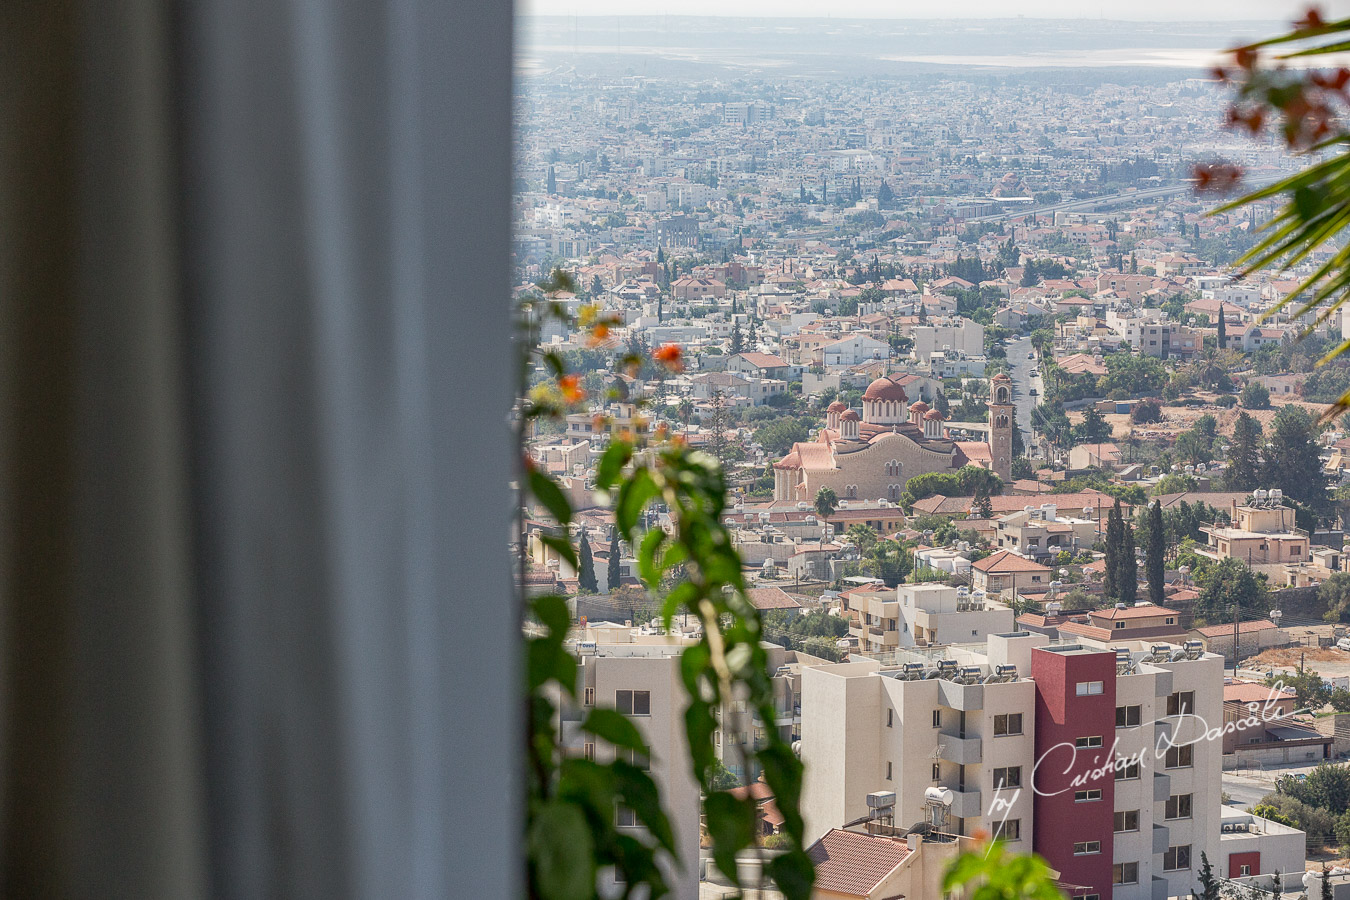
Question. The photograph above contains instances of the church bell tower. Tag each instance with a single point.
(1001, 425)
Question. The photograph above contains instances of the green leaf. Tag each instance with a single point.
(553, 612)
(647, 562)
(731, 825)
(563, 547)
(546, 660)
(794, 873)
(562, 852)
(639, 793)
(616, 728)
(547, 492)
(611, 464)
(633, 496)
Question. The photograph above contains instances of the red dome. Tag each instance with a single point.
(1002, 376)
(919, 407)
(850, 416)
(935, 415)
(836, 406)
(885, 389)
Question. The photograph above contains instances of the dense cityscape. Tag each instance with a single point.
(1018, 465)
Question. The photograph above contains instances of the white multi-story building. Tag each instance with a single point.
(1094, 756)
(956, 337)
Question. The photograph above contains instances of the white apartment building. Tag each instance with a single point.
(920, 615)
(1092, 755)
(955, 337)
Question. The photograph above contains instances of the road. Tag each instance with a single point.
(1023, 382)
(1087, 203)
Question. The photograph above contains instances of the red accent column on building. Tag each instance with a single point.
(1062, 768)
(1237, 860)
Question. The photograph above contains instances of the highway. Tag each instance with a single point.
(1086, 203)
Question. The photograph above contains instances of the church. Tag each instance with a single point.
(870, 456)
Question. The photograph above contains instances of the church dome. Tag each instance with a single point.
(850, 415)
(919, 407)
(836, 407)
(885, 389)
(934, 415)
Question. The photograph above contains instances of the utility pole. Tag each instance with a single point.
(1235, 639)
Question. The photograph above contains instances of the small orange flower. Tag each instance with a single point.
(670, 356)
(980, 835)
(572, 391)
(662, 431)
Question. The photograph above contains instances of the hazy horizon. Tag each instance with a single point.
(1221, 12)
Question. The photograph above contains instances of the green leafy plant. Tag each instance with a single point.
(992, 873)
(570, 827)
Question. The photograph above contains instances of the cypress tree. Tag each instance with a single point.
(1110, 587)
(1127, 578)
(1223, 329)
(1156, 548)
(586, 577)
(613, 559)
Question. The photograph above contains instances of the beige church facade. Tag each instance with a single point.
(870, 456)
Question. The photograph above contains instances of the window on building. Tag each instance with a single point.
(890, 718)
(1008, 830)
(937, 718)
(624, 817)
(1089, 688)
(1178, 806)
(1177, 858)
(1125, 873)
(1094, 740)
(937, 771)
(1178, 757)
(1243, 871)
(633, 703)
(588, 749)
(1087, 848)
(1127, 820)
(888, 771)
(1011, 777)
(1087, 795)
(1127, 771)
(1181, 703)
(588, 696)
(1171, 620)
(1009, 723)
(1119, 624)
(1127, 716)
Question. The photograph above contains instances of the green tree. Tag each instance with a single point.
(992, 873)
(1244, 459)
(1155, 551)
(1312, 692)
(826, 502)
(586, 575)
(1227, 582)
(737, 341)
(1334, 593)
(778, 436)
(1114, 540)
(612, 573)
(1127, 579)
(1326, 787)
(1255, 396)
(1210, 888)
(1094, 429)
(864, 537)
(1291, 461)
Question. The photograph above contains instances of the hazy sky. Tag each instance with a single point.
(1192, 10)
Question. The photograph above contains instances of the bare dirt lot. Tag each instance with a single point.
(1177, 419)
(1326, 662)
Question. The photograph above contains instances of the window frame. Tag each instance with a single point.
(1118, 873)
(1090, 848)
(1086, 742)
(1181, 750)
(1008, 830)
(1089, 688)
(1124, 773)
(1085, 795)
(1124, 815)
(1175, 852)
(1180, 703)
(1174, 804)
(1007, 724)
(1006, 783)
(1125, 710)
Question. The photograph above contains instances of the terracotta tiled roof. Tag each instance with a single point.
(1132, 612)
(1219, 631)
(1007, 561)
(1251, 692)
(854, 864)
(771, 598)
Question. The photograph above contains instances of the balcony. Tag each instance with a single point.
(1160, 889)
(959, 750)
(1161, 836)
(966, 803)
(1162, 787)
(962, 697)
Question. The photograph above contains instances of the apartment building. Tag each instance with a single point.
(954, 337)
(1092, 755)
(1041, 532)
(1263, 531)
(922, 615)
